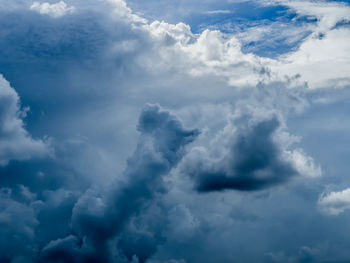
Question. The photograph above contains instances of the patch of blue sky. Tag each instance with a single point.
(268, 39)
(273, 47)
(267, 31)
(240, 13)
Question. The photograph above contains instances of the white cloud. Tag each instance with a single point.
(335, 203)
(15, 142)
(303, 163)
(319, 61)
(217, 12)
(327, 13)
(121, 10)
(321, 53)
(322, 63)
(55, 10)
(211, 53)
(323, 57)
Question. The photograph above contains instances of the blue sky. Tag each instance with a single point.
(174, 132)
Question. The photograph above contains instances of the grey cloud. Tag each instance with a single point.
(54, 209)
(85, 76)
(62, 68)
(17, 227)
(252, 161)
(168, 261)
(101, 219)
(64, 250)
(304, 254)
(15, 142)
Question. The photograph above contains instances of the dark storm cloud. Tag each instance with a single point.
(253, 162)
(103, 222)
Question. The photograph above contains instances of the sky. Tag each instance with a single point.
(174, 131)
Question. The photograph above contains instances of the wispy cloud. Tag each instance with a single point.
(217, 12)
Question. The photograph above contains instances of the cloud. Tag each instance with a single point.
(54, 10)
(122, 11)
(303, 163)
(323, 56)
(15, 142)
(86, 77)
(168, 261)
(335, 203)
(247, 156)
(17, 227)
(327, 13)
(215, 12)
(103, 218)
(251, 164)
(304, 254)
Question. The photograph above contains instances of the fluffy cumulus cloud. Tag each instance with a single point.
(130, 135)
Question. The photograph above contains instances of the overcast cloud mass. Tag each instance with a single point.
(174, 131)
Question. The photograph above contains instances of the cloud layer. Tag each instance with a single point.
(187, 135)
